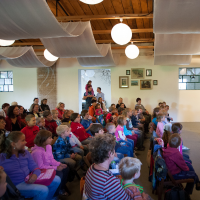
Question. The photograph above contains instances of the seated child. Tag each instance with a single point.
(112, 111)
(55, 117)
(114, 119)
(78, 129)
(130, 169)
(50, 124)
(98, 110)
(160, 125)
(176, 164)
(89, 83)
(40, 122)
(3, 183)
(135, 122)
(128, 113)
(66, 116)
(167, 109)
(42, 155)
(113, 105)
(30, 131)
(121, 146)
(86, 121)
(62, 149)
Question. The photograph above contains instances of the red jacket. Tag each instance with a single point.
(8, 126)
(79, 131)
(174, 160)
(30, 133)
(51, 126)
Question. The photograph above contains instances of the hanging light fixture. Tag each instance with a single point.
(92, 2)
(132, 51)
(49, 56)
(183, 71)
(6, 42)
(121, 33)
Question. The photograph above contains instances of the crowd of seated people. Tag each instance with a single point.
(65, 141)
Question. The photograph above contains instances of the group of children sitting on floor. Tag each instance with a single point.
(61, 144)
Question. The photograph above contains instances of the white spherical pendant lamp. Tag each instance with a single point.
(49, 56)
(91, 2)
(6, 42)
(132, 51)
(121, 33)
(183, 71)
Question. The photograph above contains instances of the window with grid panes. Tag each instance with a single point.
(6, 81)
(190, 80)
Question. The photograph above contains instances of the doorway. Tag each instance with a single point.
(100, 78)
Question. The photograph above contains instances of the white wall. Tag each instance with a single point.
(183, 104)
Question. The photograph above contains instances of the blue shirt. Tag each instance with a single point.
(100, 95)
(154, 121)
(86, 123)
(134, 121)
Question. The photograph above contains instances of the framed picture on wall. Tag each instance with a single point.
(137, 73)
(145, 85)
(134, 83)
(128, 72)
(123, 82)
(148, 72)
(155, 82)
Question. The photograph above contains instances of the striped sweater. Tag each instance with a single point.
(102, 185)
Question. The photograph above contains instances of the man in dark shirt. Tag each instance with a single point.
(88, 97)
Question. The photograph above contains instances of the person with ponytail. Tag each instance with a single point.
(18, 164)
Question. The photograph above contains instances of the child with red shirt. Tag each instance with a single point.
(78, 130)
(30, 131)
(112, 111)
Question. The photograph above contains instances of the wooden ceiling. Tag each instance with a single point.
(140, 20)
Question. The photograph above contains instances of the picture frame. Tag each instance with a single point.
(148, 72)
(146, 84)
(137, 73)
(134, 82)
(123, 82)
(155, 82)
(128, 72)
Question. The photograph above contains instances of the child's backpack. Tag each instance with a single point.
(12, 193)
(176, 193)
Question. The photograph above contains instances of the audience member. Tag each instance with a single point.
(119, 103)
(18, 164)
(176, 164)
(40, 122)
(42, 155)
(35, 110)
(50, 124)
(78, 130)
(55, 117)
(92, 110)
(60, 108)
(113, 105)
(86, 121)
(112, 111)
(102, 104)
(66, 116)
(13, 120)
(3, 111)
(44, 105)
(30, 131)
(130, 169)
(35, 101)
(14, 103)
(160, 125)
(100, 94)
(89, 84)
(102, 150)
(98, 110)
(62, 149)
(88, 95)
(2, 126)
(22, 114)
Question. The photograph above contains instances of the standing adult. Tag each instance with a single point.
(119, 103)
(4, 109)
(145, 112)
(60, 108)
(88, 97)
(100, 94)
(13, 120)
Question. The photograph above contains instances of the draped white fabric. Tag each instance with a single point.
(23, 57)
(177, 44)
(172, 60)
(176, 16)
(109, 60)
(83, 45)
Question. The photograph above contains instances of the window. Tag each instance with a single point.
(6, 81)
(190, 80)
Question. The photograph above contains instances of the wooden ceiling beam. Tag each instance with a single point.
(103, 17)
(145, 40)
(144, 30)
